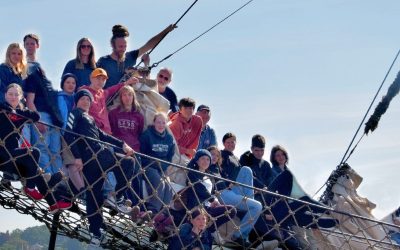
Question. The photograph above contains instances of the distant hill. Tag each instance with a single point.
(36, 238)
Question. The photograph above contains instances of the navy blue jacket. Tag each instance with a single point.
(262, 172)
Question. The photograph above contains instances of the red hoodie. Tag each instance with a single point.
(186, 133)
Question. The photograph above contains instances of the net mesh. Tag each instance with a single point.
(157, 214)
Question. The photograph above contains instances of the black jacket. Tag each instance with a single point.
(262, 171)
(82, 146)
(14, 118)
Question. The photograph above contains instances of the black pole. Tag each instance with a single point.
(53, 231)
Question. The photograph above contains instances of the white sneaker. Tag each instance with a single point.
(124, 206)
(95, 243)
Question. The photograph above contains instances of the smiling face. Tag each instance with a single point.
(215, 154)
(163, 78)
(84, 103)
(85, 48)
(230, 144)
(280, 158)
(13, 96)
(160, 123)
(98, 82)
(203, 162)
(16, 56)
(257, 152)
(119, 47)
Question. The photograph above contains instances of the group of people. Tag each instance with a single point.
(94, 131)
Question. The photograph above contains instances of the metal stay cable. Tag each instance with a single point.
(344, 159)
(175, 24)
(369, 108)
(197, 37)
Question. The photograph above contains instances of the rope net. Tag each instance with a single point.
(141, 202)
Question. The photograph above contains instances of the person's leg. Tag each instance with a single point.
(159, 191)
(55, 149)
(41, 141)
(94, 197)
(221, 214)
(252, 207)
(245, 176)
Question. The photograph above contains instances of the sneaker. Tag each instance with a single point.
(33, 194)
(95, 243)
(124, 206)
(60, 205)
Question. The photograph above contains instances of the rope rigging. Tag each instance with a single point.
(197, 37)
(175, 25)
(373, 121)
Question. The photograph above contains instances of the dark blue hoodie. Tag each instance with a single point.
(158, 145)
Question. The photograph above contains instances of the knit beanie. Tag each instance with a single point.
(65, 76)
(201, 153)
(258, 141)
(83, 92)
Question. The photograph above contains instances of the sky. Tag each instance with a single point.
(301, 73)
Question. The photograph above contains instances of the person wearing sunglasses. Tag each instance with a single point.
(164, 78)
(119, 60)
(83, 64)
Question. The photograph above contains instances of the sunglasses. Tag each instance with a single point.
(164, 77)
(85, 46)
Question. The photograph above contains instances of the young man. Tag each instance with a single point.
(95, 159)
(207, 137)
(31, 44)
(164, 78)
(119, 60)
(98, 109)
(240, 197)
(262, 172)
(186, 128)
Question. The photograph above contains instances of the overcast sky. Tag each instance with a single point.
(301, 73)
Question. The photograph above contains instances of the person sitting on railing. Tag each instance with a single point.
(22, 162)
(240, 197)
(292, 214)
(95, 159)
(157, 142)
(201, 188)
(195, 235)
(126, 120)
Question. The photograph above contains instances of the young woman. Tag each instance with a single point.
(14, 69)
(194, 235)
(125, 120)
(14, 117)
(202, 189)
(157, 142)
(83, 64)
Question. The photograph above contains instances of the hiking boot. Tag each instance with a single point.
(60, 205)
(33, 194)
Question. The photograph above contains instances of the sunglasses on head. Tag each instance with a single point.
(164, 77)
(83, 46)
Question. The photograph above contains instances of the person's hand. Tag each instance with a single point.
(171, 27)
(42, 128)
(78, 164)
(132, 81)
(190, 151)
(269, 217)
(128, 150)
(146, 59)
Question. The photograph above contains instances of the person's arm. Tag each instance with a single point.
(62, 106)
(213, 137)
(30, 103)
(70, 138)
(154, 40)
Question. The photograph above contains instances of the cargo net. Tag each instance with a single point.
(122, 203)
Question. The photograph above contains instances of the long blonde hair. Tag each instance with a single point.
(21, 68)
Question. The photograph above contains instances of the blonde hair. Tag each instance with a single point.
(21, 68)
(129, 89)
(160, 114)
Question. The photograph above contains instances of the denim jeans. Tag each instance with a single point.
(160, 192)
(243, 199)
(49, 146)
